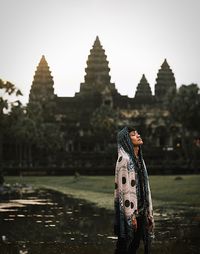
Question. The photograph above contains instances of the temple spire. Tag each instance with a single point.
(165, 82)
(143, 91)
(97, 70)
(97, 42)
(165, 65)
(97, 76)
(42, 85)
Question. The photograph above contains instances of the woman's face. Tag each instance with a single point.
(135, 138)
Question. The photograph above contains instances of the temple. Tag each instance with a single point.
(42, 85)
(88, 122)
(143, 91)
(97, 76)
(165, 82)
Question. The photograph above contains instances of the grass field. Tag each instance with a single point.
(99, 189)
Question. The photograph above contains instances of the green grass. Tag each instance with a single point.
(99, 189)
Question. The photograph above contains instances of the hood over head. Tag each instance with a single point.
(124, 141)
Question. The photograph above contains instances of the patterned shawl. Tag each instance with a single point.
(127, 188)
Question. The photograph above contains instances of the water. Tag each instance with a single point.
(48, 222)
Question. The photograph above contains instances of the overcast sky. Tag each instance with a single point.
(137, 36)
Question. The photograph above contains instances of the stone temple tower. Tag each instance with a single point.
(42, 85)
(165, 82)
(143, 92)
(97, 76)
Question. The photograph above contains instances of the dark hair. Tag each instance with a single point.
(131, 129)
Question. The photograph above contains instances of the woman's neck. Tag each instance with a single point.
(136, 151)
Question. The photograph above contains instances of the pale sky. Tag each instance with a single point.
(137, 36)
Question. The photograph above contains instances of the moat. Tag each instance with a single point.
(48, 222)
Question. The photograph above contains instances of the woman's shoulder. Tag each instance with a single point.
(122, 156)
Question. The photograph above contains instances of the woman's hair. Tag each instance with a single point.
(131, 128)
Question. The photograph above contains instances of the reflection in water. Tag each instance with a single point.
(52, 223)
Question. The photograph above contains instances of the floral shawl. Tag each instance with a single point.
(127, 188)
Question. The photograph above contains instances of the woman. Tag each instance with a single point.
(132, 197)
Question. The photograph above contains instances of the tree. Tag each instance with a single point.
(7, 90)
(33, 138)
(48, 138)
(104, 121)
(104, 125)
(21, 132)
(184, 109)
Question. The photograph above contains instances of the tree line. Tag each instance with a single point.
(34, 125)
